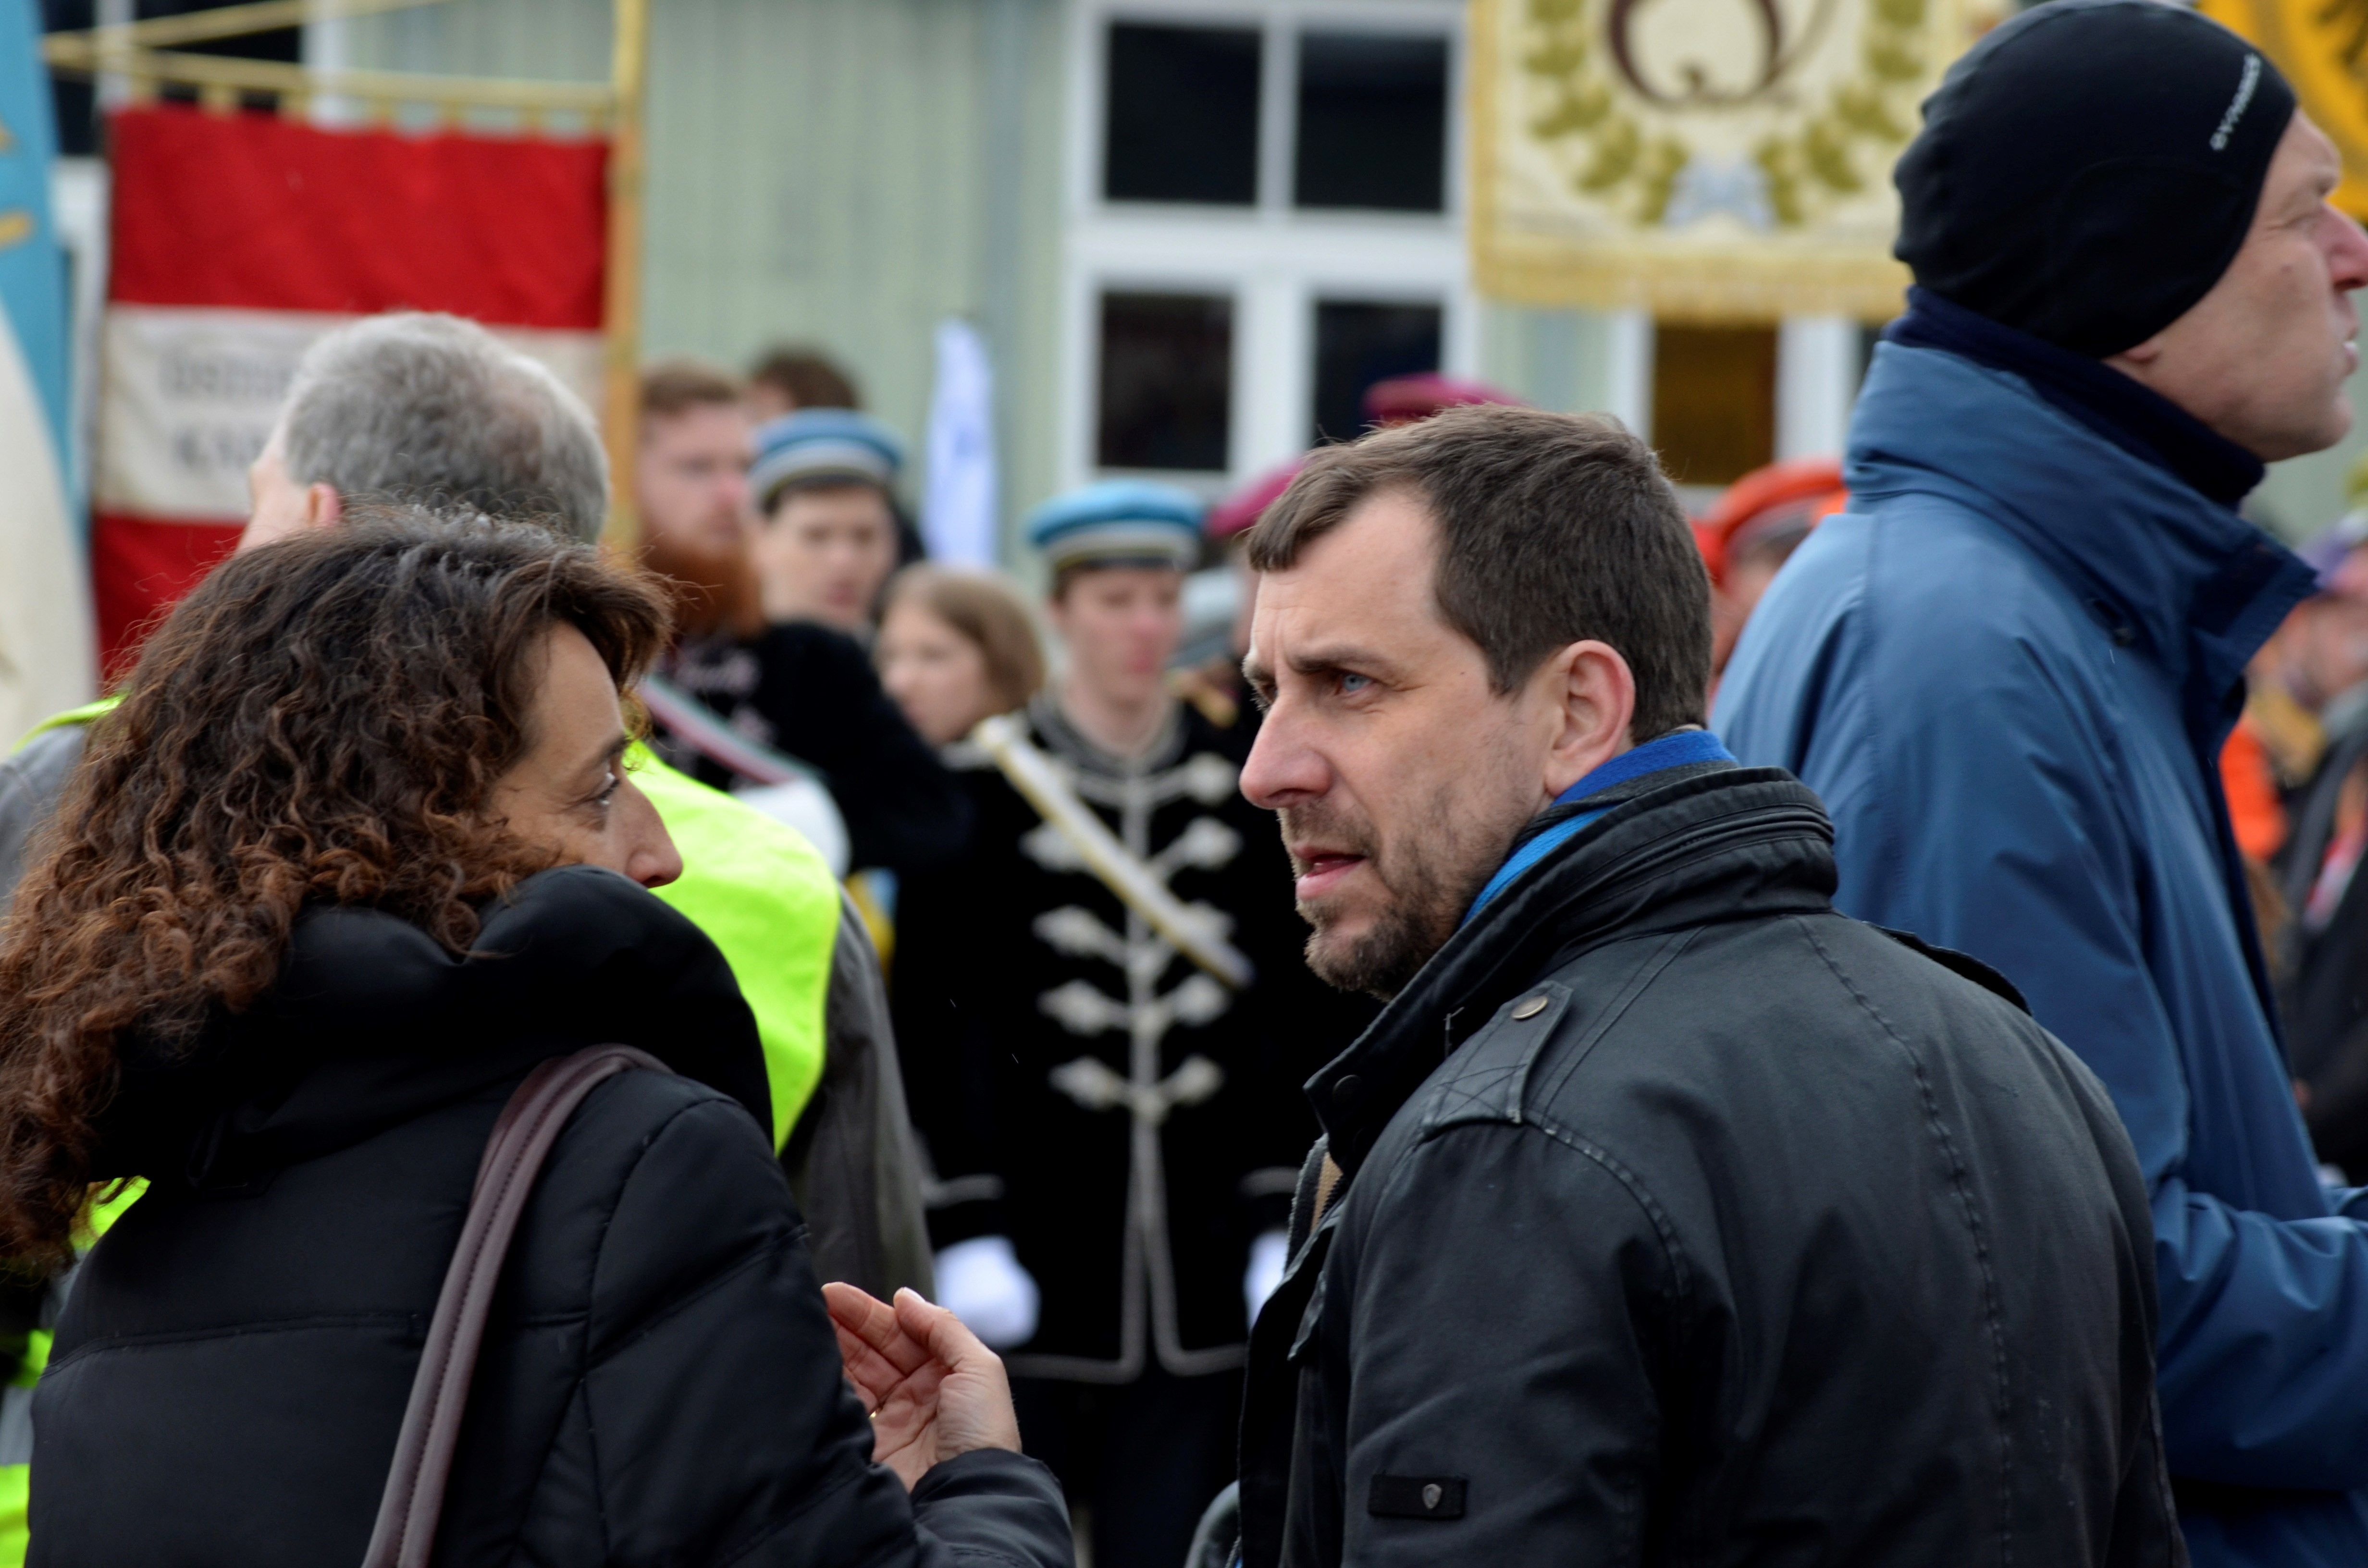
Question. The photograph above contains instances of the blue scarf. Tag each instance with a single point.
(1680, 750)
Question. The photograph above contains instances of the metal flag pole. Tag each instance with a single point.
(621, 309)
(144, 54)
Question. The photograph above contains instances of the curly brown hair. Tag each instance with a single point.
(323, 719)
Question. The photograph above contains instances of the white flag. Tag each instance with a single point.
(957, 508)
(46, 649)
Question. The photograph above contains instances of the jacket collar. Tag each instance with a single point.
(1709, 843)
(2164, 567)
(2135, 417)
(1630, 774)
(372, 1023)
(1063, 737)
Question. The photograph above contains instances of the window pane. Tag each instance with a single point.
(1359, 344)
(1182, 121)
(73, 102)
(1167, 382)
(1373, 121)
(1713, 401)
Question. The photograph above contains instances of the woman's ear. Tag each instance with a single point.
(1595, 693)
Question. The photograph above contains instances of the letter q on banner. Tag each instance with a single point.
(237, 240)
(1711, 159)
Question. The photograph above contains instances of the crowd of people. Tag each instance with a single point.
(1825, 1032)
(1110, 1118)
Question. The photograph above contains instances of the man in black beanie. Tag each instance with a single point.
(2010, 666)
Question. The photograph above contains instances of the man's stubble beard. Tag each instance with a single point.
(1428, 880)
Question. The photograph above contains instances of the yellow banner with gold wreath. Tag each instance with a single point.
(1703, 159)
(2322, 47)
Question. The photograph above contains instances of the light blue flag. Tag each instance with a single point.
(32, 266)
(47, 656)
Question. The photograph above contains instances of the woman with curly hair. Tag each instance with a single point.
(358, 851)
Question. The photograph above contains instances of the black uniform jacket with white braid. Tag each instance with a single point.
(1131, 1122)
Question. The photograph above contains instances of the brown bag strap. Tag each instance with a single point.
(522, 1138)
(1327, 1187)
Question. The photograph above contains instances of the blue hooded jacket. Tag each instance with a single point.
(2009, 668)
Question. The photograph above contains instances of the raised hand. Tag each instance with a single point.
(933, 1390)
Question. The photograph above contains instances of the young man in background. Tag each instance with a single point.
(768, 667)
(1113, 1119)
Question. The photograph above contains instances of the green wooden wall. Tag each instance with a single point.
(848, 172)
(843, 173)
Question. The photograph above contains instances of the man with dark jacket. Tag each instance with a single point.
(1664, 1215)
(2010, 666)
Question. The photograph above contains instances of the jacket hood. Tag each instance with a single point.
(1719, 843)
(2164, 567)
(372, 1023)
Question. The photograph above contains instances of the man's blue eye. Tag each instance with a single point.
(1351, 681)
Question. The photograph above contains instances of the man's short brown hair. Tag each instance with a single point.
(1552, 528)
(806, 377)
(675, 387)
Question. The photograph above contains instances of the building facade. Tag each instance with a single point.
(1191, 231)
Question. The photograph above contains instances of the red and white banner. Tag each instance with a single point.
(239, 239)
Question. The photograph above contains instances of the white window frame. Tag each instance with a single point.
(1274, 260)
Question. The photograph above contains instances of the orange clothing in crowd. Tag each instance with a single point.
(2254, 807)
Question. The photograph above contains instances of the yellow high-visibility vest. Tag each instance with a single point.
(766, 896)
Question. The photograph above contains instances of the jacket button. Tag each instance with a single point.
(1530, 1009)
(1346, 1089)
(1432, 1494)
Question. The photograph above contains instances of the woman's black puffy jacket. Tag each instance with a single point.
(660, 1383)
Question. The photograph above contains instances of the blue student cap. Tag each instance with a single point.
(1118, 522)
(824, 446)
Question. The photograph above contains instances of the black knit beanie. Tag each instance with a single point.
(2089, 170)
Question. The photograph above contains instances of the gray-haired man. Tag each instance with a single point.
(434, 410)
(429, 408)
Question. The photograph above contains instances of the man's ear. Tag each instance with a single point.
(1595, 694)
(2139, 358)
(323, 506)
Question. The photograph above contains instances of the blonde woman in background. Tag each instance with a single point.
(955, 647)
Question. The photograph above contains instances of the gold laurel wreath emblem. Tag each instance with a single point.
(1618, 156)
(1818, 161)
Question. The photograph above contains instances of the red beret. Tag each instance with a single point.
(1402, 400)
(1246, 506)
(1809, 486)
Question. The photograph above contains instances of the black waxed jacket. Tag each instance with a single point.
(1680, 1220)
(660, 1383)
